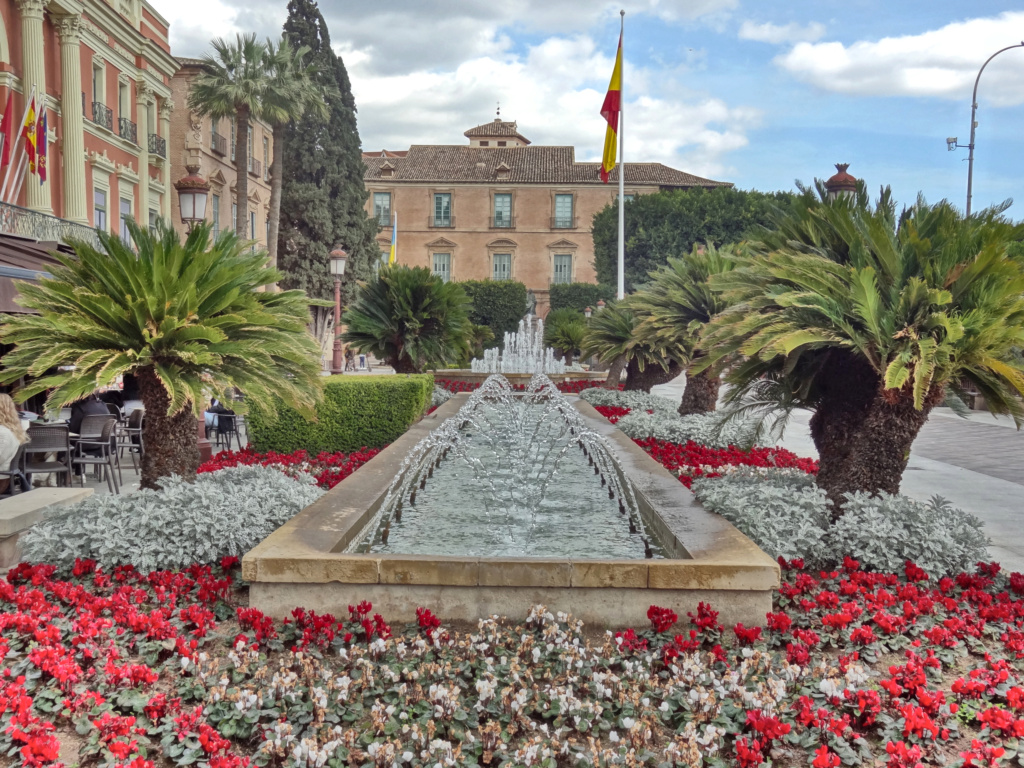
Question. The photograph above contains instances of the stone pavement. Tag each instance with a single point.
(977, 463)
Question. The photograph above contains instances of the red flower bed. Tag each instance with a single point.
(692, 460)
(612, 412)
(329, 469)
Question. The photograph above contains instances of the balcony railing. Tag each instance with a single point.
(157, 145)
(126, 129)
(503, 222)
(563, 222)
(22, 222)
(101, 115)
(443, 222)
(255, 168)
(219, 145)
(383, 218)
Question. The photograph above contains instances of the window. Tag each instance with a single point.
(443, 266)
(502, 143)
(563, 268)
(503, 210)
(97, 82)
(268, 230)
(266, 157)
(502, 266)
(382, 208)
(154, 217)
(252, 225)
(99, 210)
(234, 215)
(126, 214)
(484, 143)
(213, 132)
(563, 212)
(248, 146)
(215, 202)
(234, 135)
(442, 210)
(124, 103)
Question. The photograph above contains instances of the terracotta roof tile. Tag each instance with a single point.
(496, 128)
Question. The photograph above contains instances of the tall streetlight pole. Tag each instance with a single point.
(338, 260)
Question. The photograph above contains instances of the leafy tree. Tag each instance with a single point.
(611, 338)
(322, 193)
(232, 83)
(867, 317)
(564, 330)
(672, 310)
(410, 318)
(670, 223)
(498, 304)
(187, 319)
(579, 296)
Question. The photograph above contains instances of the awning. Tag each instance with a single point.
(23, 259)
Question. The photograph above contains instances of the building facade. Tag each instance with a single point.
(102, 71)
(500, 208)
(210, 145)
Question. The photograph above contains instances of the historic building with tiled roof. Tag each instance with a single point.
(501, 208)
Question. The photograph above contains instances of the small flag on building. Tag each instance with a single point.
(7, 133)
(394, 241)
(42, 142)
(610, 112)
(28, 133)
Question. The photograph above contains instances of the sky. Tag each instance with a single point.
(761, 94)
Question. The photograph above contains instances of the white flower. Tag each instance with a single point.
(613, 737)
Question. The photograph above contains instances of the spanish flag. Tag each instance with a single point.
(28, 133)
(610, 112)
(394, 241)
(41, 146)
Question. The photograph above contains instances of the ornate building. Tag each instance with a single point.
(501, 208)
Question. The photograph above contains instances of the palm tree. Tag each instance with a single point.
(186, 319)
(611, 338)
(673, 309)
(410, 318)
(564, 330)
(293, 89)
(233, 83)
(867, 318)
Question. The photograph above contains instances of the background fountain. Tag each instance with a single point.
(522, 352)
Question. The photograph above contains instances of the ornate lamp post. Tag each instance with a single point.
(338, 261)
(587, 312)
(842, 183)
(193, 191)
(600, 304)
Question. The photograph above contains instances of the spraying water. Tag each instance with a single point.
(522, 352)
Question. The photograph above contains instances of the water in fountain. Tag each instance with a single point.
(510, 474)
(522, 352)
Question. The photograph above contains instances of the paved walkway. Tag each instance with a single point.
(977, 463)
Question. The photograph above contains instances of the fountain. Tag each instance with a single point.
(521, 352)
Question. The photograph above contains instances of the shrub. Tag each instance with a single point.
(703, 428)
(579, 296)
(440, 396)
(635, 400)
(498, 304)
(355, 412)
(220, 514)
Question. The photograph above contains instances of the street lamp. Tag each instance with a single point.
(600, 304)
(587, 312)
(193, 191)
(338, 260)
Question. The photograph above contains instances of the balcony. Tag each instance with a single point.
(102, 116)
(255, 168)
(157, 145)
(441, 222)
(127, 130)
(219, 145)
(503, 222)
(33, 225)
(563, 222)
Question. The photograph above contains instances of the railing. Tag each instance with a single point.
(563, 222)
(126, 129)
(157, 145)
(255, 168)
(384, 218)
(84, 113)
(22, 222)
(503, 222)
(561, 278)
(219, 145)
(443, 222)
(103, 116)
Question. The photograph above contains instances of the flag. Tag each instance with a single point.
(28, 133)
(7, 133)
(42, 140)
(394, 241)
(610, 112)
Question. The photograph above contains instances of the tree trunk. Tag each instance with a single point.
(615, 372)
(569, 358)
(169, 441)
(650, 376)
(242, 173)
(701, 393)
(276, 182)
(403, 364)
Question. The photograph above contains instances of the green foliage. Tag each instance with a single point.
(579, 296)
(565, 330)
(498, 304)
(410, 318)
(611, 334)
(323, 197)
(355, 411)
(670, 223)
(480, 338)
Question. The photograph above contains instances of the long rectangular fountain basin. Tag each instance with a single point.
(706, 559)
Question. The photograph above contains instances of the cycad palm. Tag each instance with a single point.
(293, 89)
(672, 310)
(186, 319)
(867, 318)
(564, 330)
(233, 83)
(611, 338)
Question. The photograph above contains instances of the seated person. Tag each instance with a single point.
(211, 413)
(89, 406)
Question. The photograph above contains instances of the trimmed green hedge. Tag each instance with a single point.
(579, 296)
(498, 304)
(355, 411)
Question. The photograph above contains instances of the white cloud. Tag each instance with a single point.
(938, 63)
(781, 33)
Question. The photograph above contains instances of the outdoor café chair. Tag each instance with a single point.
(44, 439)
(106, 453)
(130, 437)
(14, 474)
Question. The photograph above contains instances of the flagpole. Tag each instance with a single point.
(28, 103)
(622, 169)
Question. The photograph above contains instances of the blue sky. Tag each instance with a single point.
(759, 94)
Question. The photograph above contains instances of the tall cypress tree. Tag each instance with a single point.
(323, 195)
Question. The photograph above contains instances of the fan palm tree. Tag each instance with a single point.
(867, 318)
(674, 307)
(292, 90)
(611, 338)
(410, 318)
(564, 330)
(233, 83)
(187, 319)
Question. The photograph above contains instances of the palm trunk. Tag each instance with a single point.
(650, 376)
(615, 372)
(701, 393)
(170, 441)
(242, 173)
(276, 182)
